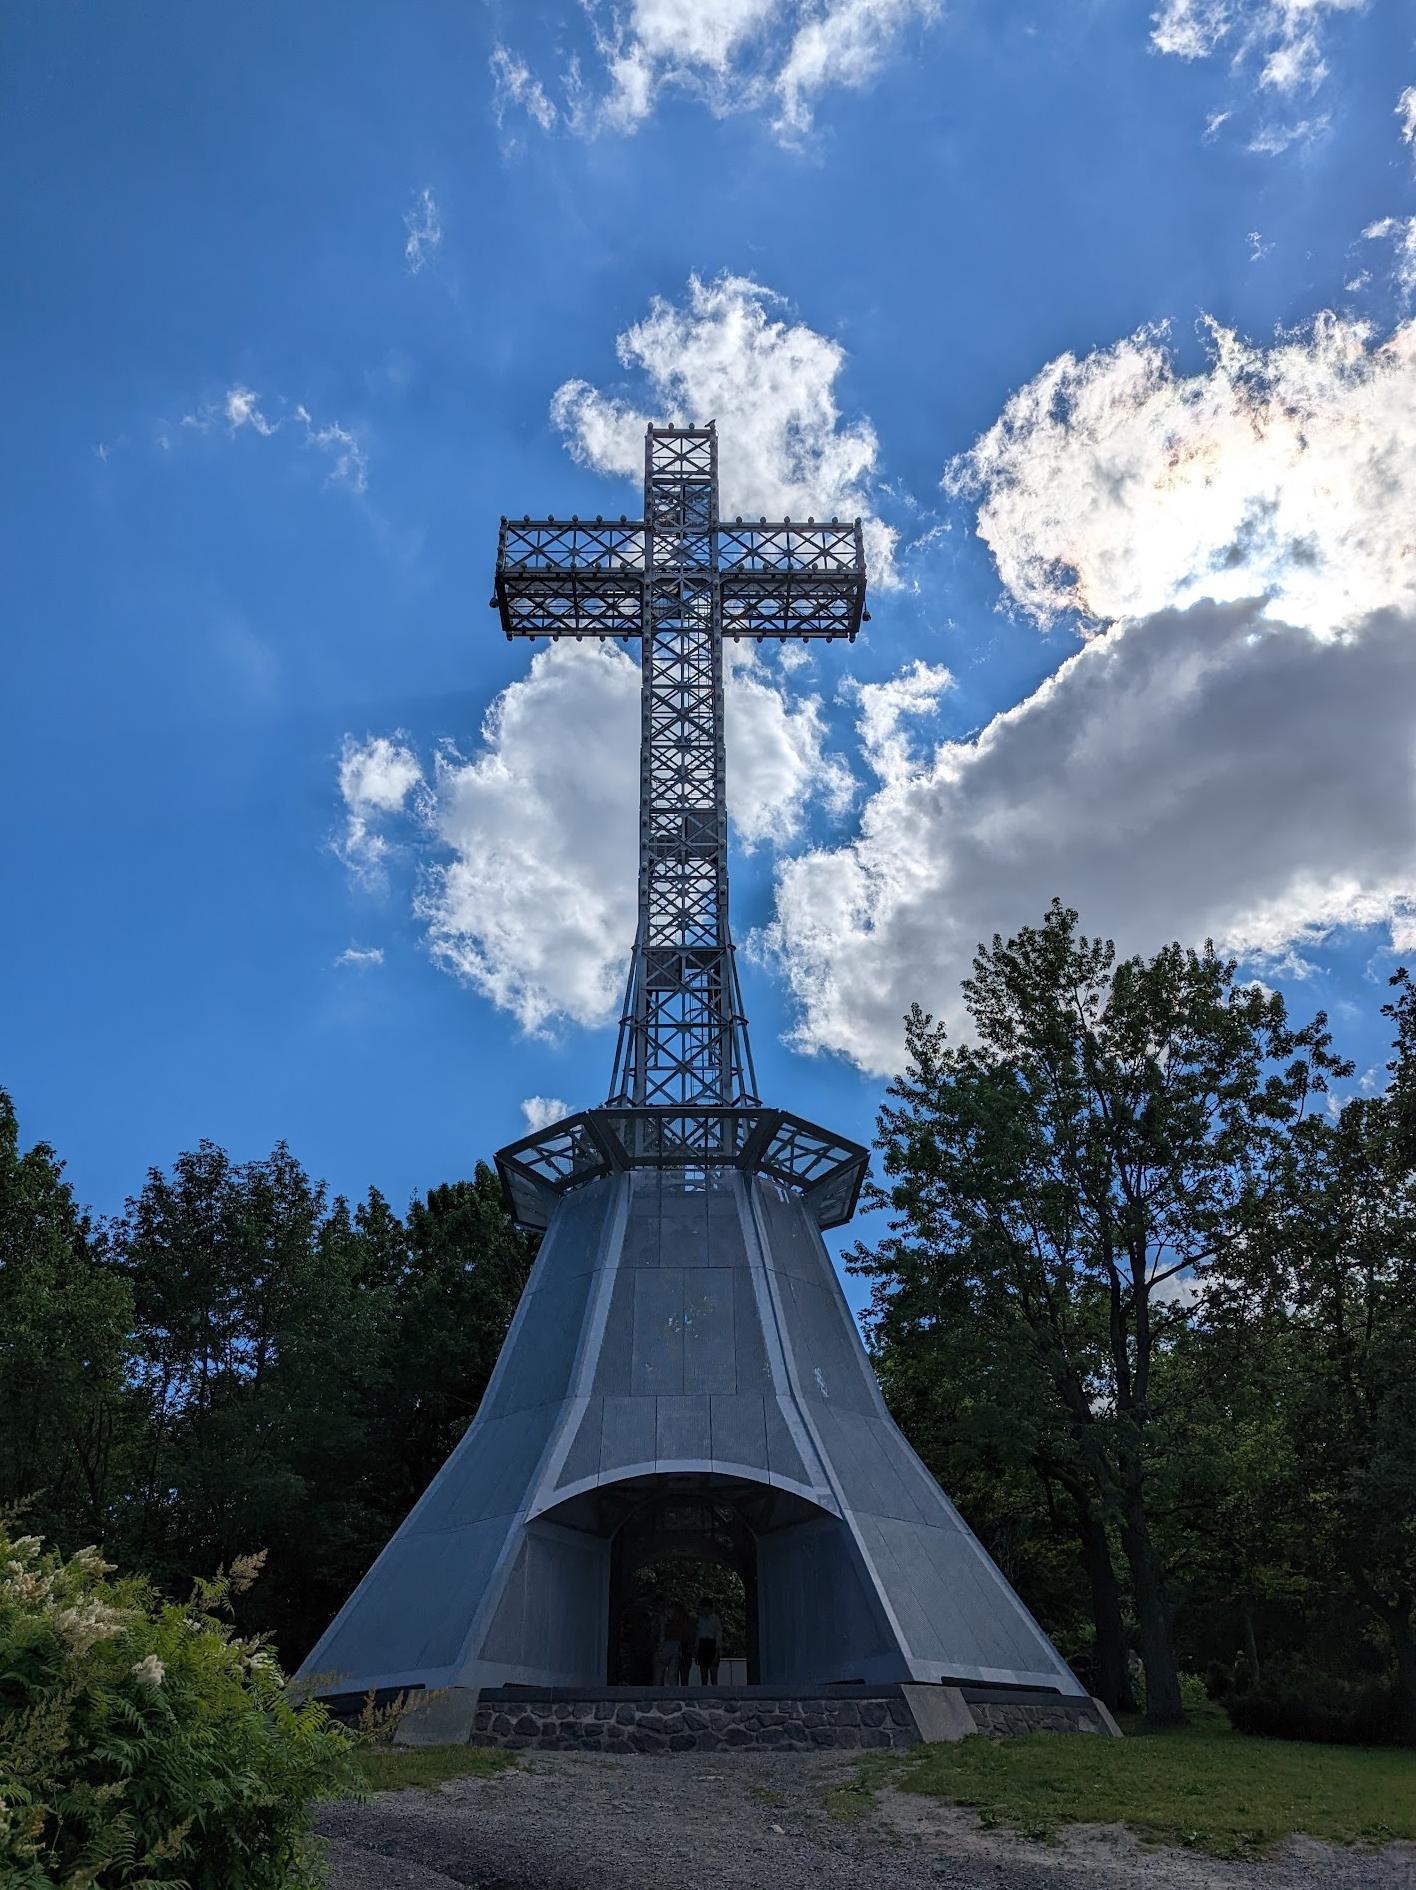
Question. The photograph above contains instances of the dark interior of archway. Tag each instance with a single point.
(658, 1591)
(672, 1552)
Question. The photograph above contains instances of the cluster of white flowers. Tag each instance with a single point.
(82, 1620)
(88, 1561)
(87, 1623)
(149, 1670)
(29, 1585)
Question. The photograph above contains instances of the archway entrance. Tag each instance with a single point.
(677, 1554)
(753, 1548)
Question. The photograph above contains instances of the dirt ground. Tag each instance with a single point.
(760, 1821)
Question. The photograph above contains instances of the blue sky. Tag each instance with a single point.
(259, 446)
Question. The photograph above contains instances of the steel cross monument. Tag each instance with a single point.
(683, 1375)
(679, 581)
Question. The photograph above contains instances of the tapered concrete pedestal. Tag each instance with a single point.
(684, 1343)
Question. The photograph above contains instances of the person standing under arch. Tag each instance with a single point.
(710, 1638)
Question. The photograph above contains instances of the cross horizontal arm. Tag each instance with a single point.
(579, 578)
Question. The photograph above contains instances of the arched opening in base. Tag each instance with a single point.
(679, 1539)
(674, 1559)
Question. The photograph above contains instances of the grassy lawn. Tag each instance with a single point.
(401, 1769)
(1203, 1785)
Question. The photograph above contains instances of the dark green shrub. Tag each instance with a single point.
(142, 1743)
(1296, 1704)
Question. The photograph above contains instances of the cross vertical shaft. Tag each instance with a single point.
(683, 1037)
(681, 580)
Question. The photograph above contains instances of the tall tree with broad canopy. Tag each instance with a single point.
(1337, 1266)
(1064, 1179)
(65, 1316)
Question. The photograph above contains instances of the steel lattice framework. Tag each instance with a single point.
(679, 580)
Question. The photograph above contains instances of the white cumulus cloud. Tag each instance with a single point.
(361, 957)
(729, 352)
(532, 897)
(1113, 485)
(1200, 773)
(1231, 752)
(376, 778)
(541, 1111)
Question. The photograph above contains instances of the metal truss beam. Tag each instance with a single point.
(679, 580)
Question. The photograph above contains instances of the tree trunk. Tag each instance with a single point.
(1112, 1677)
(1163, 1703)
(1251, 1648)
(1403, 1634)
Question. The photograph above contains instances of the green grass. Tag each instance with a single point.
(402, 1769)
(1201, 1785)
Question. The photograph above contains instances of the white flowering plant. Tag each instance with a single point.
(146, 1744)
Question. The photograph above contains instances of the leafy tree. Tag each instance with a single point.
(466, 1265)
(1338, 1267)
(1111, 1131)
(223, 1261)
(64, 1345)
(966, 1393)
(305, 1368)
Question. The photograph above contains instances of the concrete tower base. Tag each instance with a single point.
(683, 1342)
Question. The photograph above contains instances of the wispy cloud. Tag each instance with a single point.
(1283, 39)
(424, 227)
(516, 88)
(1401, 233)
(239, 409)
(1274, 47)
(776, 57)
(361, 957)
(1406, 113)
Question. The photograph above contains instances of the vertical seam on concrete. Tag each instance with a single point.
(785, 1390)
(592, 1332)
(878, 1594)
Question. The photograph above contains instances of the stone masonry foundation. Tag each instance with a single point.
(703, 1720)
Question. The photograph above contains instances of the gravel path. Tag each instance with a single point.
(758, 1821)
